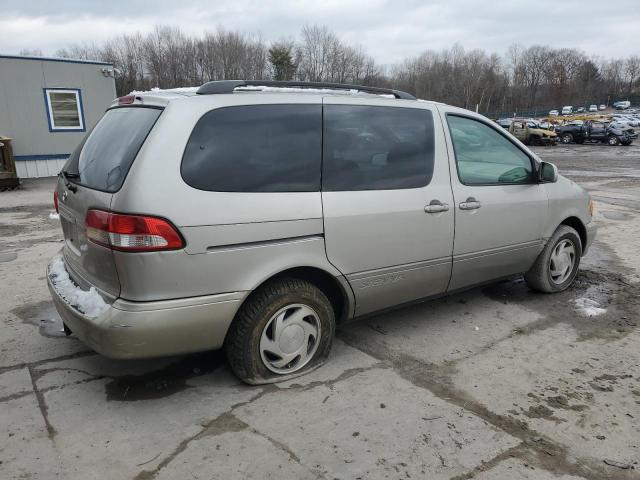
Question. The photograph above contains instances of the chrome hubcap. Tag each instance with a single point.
(290, 339)
(562, 261)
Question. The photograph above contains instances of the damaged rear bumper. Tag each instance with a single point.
(127, 329)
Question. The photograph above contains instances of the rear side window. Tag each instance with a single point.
(376, 148)
(256, 148)
(104, 157)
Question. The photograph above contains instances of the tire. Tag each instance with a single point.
(566, 138)
(540, 277)
(613, 141)
(252, 344)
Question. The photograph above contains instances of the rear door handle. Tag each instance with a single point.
(436, 206)
(470, 204)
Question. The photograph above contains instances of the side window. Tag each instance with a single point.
(376, 148)
(484, 156)
(256, 148)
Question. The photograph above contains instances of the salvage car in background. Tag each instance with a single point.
(622, 105)
(504, 122)
(530, 133)
(596, 131)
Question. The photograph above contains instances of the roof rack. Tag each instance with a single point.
(228, 86)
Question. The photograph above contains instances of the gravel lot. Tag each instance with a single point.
(495, 383)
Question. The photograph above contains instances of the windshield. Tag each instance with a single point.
(103, 158)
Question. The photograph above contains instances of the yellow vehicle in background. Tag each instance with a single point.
(530, 133)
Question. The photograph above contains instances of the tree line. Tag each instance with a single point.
(523, 78)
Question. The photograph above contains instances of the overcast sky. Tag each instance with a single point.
(388, 30)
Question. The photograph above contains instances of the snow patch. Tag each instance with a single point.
(165, 90)
(589, 307)
(54, 216)
(260, 88)
(89, 302)
(333, 91)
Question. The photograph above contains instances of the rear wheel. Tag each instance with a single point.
(566, 138)
(557, 265)
(613, 140)
(284, 329)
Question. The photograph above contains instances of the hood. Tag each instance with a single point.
(543, 132)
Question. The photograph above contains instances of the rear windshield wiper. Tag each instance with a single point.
(66, 176)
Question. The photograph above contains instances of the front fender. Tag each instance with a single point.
(566, 199)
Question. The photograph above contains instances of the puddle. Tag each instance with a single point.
(165, 381)
(8, 256)
(42, 315)
(614, 215)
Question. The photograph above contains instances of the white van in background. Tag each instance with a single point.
(568, 110)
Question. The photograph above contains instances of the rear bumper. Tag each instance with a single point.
(152, 329)
(591, 229)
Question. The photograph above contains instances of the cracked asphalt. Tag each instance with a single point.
(495, 383)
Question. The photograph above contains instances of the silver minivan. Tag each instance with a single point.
(258, 215)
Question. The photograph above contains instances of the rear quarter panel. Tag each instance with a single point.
(234, 241)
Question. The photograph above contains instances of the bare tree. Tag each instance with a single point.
(526, 78)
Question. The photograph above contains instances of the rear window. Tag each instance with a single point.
(256, 148)
(376, 148)
(104, 157)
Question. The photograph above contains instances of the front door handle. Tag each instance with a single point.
(436, 206)
(470, 204)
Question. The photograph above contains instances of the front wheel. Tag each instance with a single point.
(613, 141)
(557, 265)
(283, 330)
(566, 138)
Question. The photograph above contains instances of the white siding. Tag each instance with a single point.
(39, 168)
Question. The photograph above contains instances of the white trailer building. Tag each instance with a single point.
(47, 105)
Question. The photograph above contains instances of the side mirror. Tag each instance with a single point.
(548, 173)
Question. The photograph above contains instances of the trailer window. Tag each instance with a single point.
(64, 110)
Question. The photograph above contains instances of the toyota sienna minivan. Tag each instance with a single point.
(255, 216)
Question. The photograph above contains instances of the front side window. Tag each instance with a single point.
(256, 148)
(376, 148)
(64, 110)
(484, 156)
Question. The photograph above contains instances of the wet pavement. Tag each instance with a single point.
(497, 382)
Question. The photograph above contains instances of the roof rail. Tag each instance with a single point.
(228, 86)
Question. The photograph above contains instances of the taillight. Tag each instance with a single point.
(131, 233)
(55, 201)
(126, 100)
